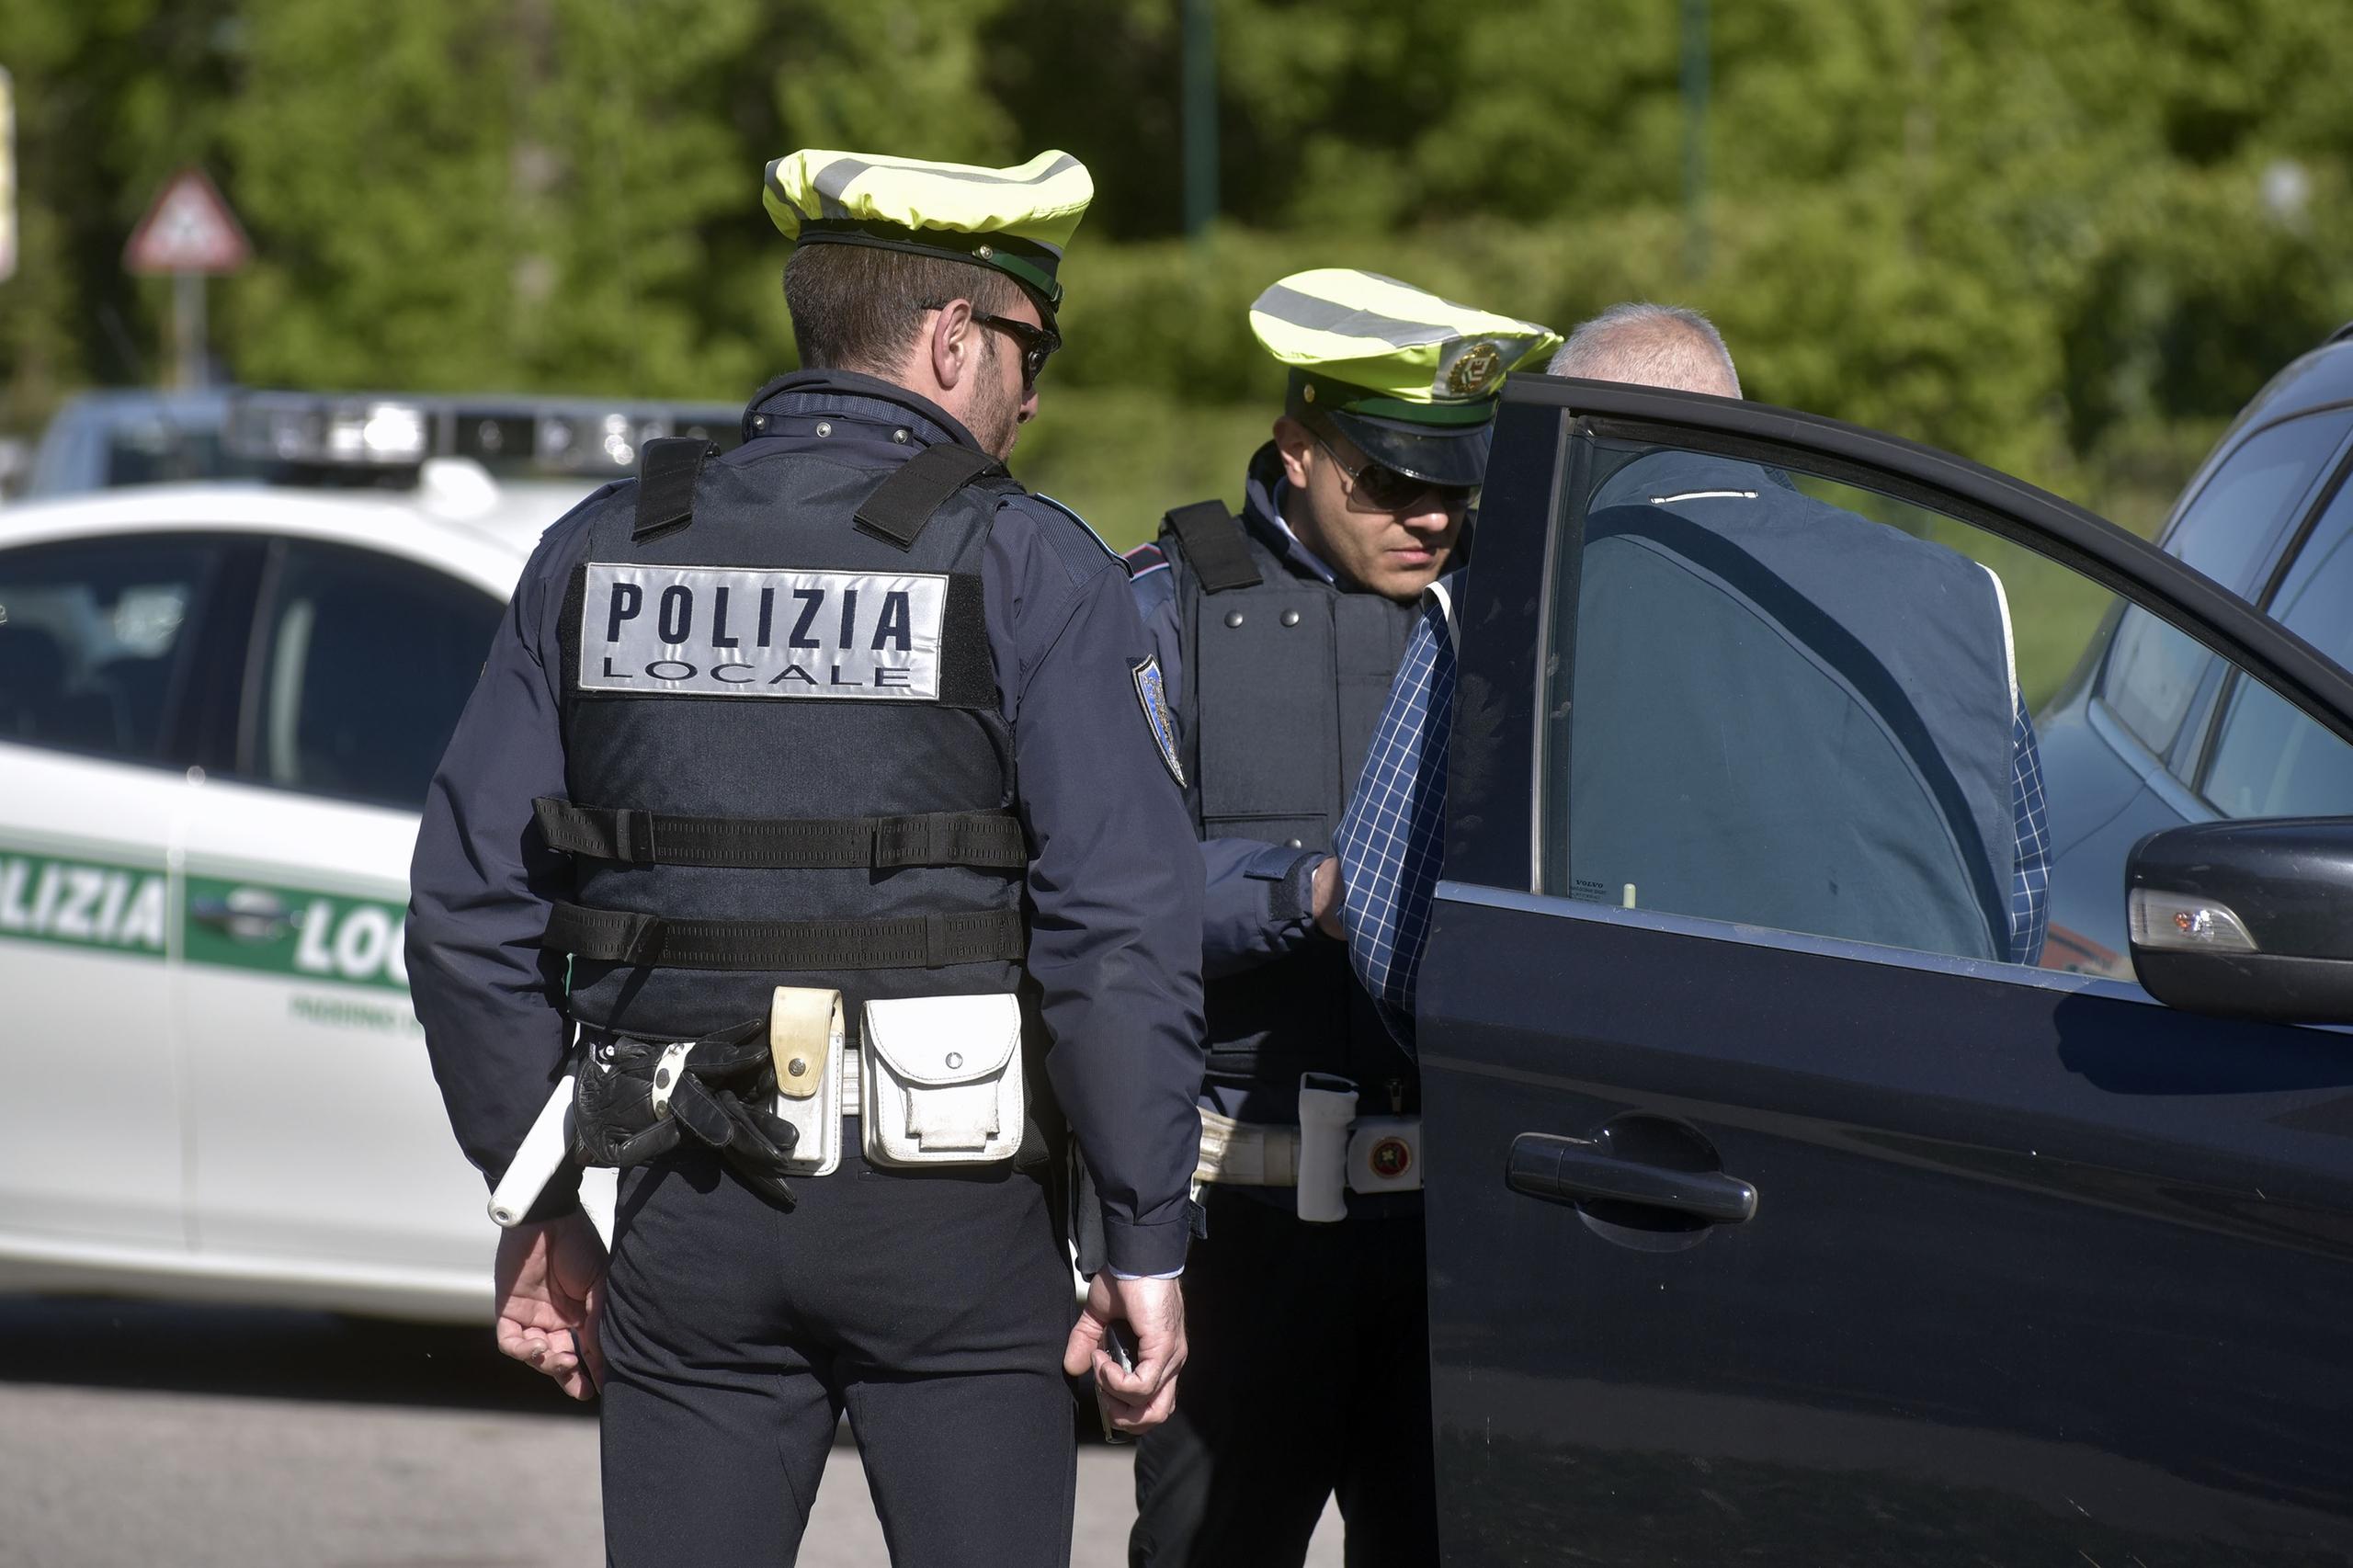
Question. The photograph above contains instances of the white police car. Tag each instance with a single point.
(219, 708)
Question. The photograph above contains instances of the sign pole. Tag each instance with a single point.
(188, 368)
(187, 234)
(1199, 117)
(7, 177)
(1695, 137)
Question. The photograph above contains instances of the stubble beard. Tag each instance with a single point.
(996, 414)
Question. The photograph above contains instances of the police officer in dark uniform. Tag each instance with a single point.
(814, 784)
(1276, 636)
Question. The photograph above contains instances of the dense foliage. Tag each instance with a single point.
(2067, 240)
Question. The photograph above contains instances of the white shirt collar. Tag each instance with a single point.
(1314, 562)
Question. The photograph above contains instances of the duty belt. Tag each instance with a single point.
(1367, 1154)
(1242, 1153)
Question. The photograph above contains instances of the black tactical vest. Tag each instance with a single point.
(786, 759)
(1285, 676)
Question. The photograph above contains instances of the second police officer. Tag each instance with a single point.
(814, 782)
(1275, 638)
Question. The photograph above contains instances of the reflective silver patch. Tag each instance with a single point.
(746, 631)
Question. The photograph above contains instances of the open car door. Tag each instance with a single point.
(1782, 1207)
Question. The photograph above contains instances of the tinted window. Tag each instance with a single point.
(169, 455)
(368, 661)
(1794, 705)
(2268, 759)
(96, 639)
(2242, 507)
(2154, 672)
(1798, 705)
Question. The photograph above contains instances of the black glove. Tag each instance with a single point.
(726, 1084)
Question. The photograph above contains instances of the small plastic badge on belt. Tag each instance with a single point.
(804, 1030)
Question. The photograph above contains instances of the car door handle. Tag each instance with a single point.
(244, 915)
(1571, 1170)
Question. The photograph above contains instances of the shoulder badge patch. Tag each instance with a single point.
(1152, 695)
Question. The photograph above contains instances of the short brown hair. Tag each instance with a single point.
(855, 307)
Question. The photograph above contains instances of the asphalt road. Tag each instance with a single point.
(141, 1434)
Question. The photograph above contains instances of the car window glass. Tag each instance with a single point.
(2153, 675)
(2268, 759)
(158, 453)
(2154, 672)
(369, 662)
(1799, 704)
(93, 640)
(2239, 510)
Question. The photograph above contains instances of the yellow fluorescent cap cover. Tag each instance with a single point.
(1041, 201)
(1392, 339)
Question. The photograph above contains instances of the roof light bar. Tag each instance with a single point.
(547, 438)
(339, 432)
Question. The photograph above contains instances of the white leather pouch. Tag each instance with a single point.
(942, 1081)
(805, 1040)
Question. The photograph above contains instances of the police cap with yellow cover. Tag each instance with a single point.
(1412, 378)
(1016, 219)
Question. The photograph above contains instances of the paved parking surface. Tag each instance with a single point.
(136, 1434)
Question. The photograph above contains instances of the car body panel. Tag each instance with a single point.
(315, 1130)
(482, 539)
(86, 932)
(2015, 1282)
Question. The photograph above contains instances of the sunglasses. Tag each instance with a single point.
(1037, 343)
(1386, 490)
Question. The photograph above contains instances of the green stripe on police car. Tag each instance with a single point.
(102, 906)
(84, 904)
(298, 934)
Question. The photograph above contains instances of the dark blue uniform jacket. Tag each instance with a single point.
(1115, 882)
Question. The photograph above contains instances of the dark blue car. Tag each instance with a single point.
(2154, 731)
(1753, 1240)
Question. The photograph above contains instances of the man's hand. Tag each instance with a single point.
(550, 1284)
(1154, 1310)
(1327, 898)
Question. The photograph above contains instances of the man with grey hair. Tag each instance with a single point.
(1889, 598)
(1652, 346)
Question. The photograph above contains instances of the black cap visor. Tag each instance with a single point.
(1454, 455)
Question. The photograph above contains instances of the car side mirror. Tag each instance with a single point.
(2247, 919)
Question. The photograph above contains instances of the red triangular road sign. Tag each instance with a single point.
(190, 229)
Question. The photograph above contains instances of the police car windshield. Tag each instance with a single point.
(171, 457)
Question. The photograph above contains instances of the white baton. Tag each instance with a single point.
(545, 1149)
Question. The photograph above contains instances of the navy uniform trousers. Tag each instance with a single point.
(736, 1335)
(1308, 1378)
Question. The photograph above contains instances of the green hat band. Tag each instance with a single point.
(1030, 265)
(1310, 392)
